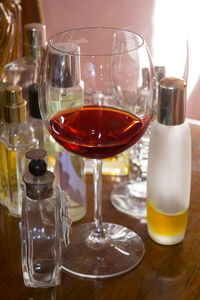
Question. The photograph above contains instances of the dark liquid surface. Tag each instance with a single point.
(97, 131)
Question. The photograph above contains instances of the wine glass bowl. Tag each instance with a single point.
(90, 100)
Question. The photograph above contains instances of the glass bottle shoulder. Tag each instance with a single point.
(18, 134)
(162, 130)
(47, 206)
(21, 64)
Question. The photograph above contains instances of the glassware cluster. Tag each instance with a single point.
(105, 65)
(19, 96)
(93, 101)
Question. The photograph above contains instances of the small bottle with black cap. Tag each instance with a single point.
(45, 223)
(169, 165)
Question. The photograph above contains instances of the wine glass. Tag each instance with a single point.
(104, 65)
(170, 58)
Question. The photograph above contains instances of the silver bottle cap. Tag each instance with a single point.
(34, 40)
(171, 101)
(39, 181)
(64, 62)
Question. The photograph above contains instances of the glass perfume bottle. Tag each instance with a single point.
(4, 191)
(67, 93)
(11, 32)
(18, 137)
(64, 93)
(45, 223)
(24, 71)
(169, 166)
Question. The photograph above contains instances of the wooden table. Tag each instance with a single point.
(167, 272)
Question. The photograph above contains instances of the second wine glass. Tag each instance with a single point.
(102, 69)
(170, 59)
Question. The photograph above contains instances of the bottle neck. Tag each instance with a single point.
(33, 53)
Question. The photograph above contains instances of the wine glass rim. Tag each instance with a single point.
(95, 28)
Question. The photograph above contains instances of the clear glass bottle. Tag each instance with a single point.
(24, 71)
(18, 137)
(44, 216)
(11, 32)
(67, 93)
(169, 165)
(4, 191)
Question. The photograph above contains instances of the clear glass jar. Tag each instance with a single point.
(41, 244)
(45, 224)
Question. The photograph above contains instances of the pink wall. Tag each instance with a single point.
(65, 14)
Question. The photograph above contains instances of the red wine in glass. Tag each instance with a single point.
(97, 132)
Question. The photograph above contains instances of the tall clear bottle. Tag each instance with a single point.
(24, 71)
(11, 32)
(169, 165)
(45, 223)
(67, 93)
(18, 137)
(4, 191)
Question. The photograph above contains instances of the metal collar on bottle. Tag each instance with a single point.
(15, 105)
(171, 101)
(34, 40)
(38, 181)
(64, 68)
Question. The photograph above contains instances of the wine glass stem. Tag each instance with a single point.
(97, 176)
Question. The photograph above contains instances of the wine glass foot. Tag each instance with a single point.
(130, 198)
(118, 252)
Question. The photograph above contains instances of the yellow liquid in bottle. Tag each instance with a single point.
(13, 181)
(3, 175)
(161, 226)
(17, 165)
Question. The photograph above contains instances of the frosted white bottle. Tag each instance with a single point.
(169, 166)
